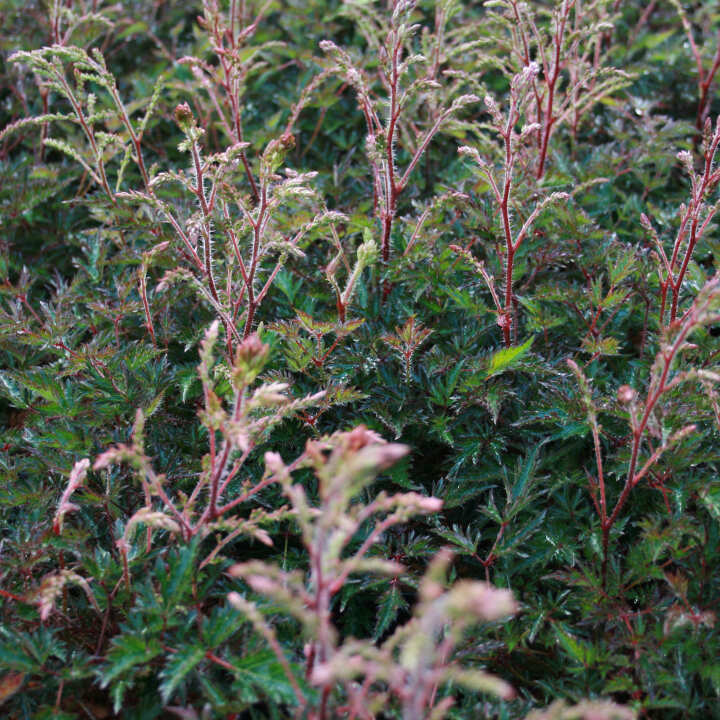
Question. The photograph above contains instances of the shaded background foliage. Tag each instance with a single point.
(502, 437)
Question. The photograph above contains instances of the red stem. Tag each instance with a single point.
(551, 81)
(638, 433)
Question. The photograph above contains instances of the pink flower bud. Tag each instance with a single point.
(626, 394)
(184, 117)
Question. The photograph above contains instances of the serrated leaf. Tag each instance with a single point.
(177, 667)
(506, 358)
(178, 579)
(261, 671)
(13, 658)
(525, 474)
(222, 624)
(580, 651)
(12, 391)
(127, 651)
(390, 605)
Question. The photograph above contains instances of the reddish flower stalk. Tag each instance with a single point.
(228, 44)
(232, 437)
(695, 217)
(415, 659)
(569, 53)
(502, 189)
(705, 77)
(388, 180)
(703, 311)
(551, 73)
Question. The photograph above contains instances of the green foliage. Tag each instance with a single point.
(243, 242)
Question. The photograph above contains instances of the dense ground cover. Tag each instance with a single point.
(359, 360)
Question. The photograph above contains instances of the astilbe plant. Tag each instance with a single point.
(706, 70)
(355, 678)
(696, 215)
(417, 659)
(237, 287)
(340, 534)
(407, 80)
(229, 33)
(100, 146)
(651, 435)
(233, 434)
(569, 43)
(182, 575)
(76, 75)
(80, 24)
(646, 414)
(255, 233)
(514, 147)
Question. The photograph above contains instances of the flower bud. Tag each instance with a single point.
(184, 117)
(249, 360)
(361, 437)
(274, 463)
(367, 253)
(277, 150)
(626, 394)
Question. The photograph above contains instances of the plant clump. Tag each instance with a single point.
(359, 360)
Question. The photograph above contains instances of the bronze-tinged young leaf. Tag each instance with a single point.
(10, 683)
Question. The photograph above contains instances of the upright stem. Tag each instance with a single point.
(391, 188)
(258, 228)
(507, 323)
(510, 247)
(133, 138)
(322, 645)
(207, 232)
(677, 283)
(692, 228)
(633, 477)
(146, 306)
(89, 134)
(232, 89)
(704, 83)
(551, 80)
